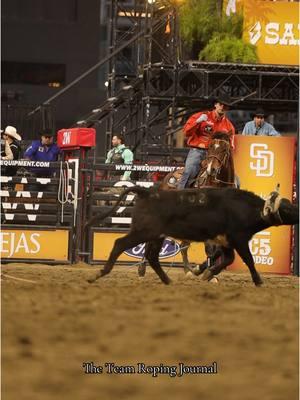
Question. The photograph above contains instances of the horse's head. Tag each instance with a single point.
(218, 153)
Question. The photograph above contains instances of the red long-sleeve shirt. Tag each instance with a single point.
(199, 134)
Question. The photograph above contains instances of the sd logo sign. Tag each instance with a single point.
(169, 248)
(264, 159)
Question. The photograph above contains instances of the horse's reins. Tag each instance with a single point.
(222, 162)
(227, 151)
(227, 183)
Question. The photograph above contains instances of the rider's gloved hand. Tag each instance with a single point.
(202, 118)
(209, 126)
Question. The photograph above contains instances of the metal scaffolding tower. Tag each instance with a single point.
(151, 90)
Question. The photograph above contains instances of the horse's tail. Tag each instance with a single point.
(140, 191)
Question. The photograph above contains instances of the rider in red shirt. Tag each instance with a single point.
(199, 129)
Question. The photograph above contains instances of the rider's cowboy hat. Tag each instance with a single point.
(223, 99)
(259, 112)
(12, 132)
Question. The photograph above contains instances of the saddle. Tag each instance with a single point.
(174, 179)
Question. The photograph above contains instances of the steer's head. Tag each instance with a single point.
(280, 211)
(289, 213)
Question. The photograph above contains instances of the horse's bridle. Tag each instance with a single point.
(222, 161)
(226, 151)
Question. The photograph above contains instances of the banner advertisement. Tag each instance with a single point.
(170, 251)
(52, 245)
(273, 27)
(261, 163)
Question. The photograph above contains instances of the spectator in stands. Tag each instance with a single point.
(198, 130)
(119, 154)
(43, 150)
(11, 149)
(258, 126)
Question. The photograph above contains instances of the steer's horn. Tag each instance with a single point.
(272, 203)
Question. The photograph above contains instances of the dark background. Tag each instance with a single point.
(46, 45)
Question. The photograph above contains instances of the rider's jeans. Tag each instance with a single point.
(192, 166)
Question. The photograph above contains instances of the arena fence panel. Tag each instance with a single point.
(38, 214)
(101, 195)
(45, 219)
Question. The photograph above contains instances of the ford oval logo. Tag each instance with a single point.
(169, 248)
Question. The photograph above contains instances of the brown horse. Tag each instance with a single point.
(217, 170)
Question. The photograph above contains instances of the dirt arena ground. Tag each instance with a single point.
(51, 326)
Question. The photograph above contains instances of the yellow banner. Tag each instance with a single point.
(34, 244)
(273, 27)
(170, 253)
(270, 250)
(261, 163)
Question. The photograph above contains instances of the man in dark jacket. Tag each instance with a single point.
(43, 150)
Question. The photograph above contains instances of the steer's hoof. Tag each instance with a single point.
(166, 280)
(259, 283)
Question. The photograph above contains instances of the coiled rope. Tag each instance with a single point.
(64, 194)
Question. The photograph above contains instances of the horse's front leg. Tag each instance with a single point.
(213, 252)
(227, 259)
(184, 246)
(142, 268)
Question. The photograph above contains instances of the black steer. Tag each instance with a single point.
(227, 216)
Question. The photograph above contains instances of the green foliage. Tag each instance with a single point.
(228, 48)
(232, 25)
(197, 21)
(218, 37)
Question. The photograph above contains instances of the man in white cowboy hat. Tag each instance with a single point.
(258, 126)
(12, 149)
